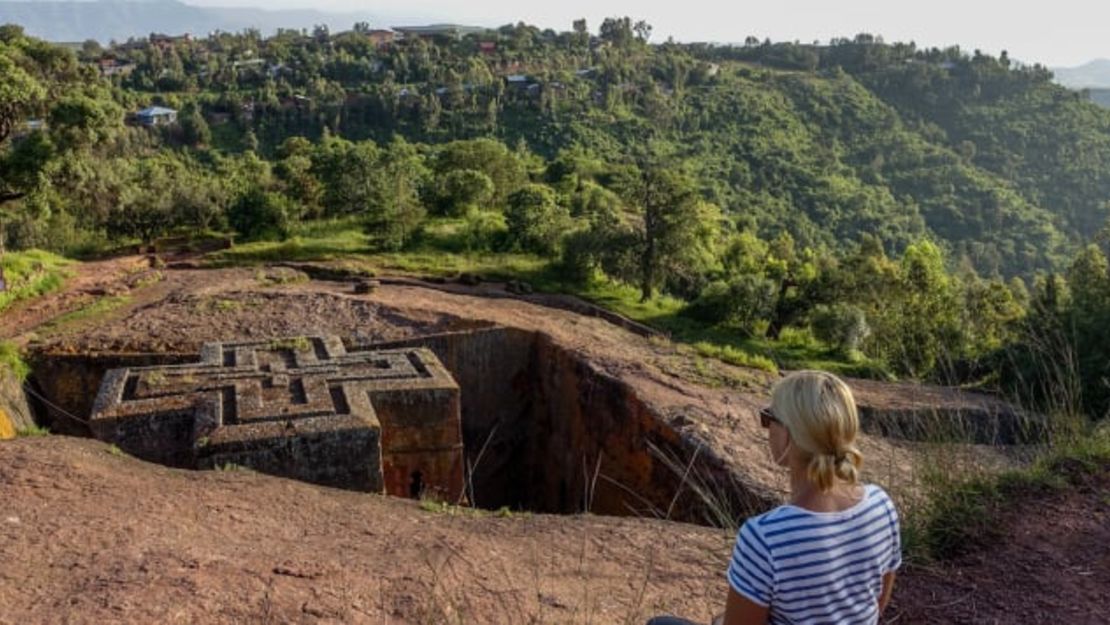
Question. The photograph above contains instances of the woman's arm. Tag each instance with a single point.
(888, 588)
(739, 610)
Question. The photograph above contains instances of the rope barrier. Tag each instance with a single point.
(54, 407)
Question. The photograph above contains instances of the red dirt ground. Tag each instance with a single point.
(1050, 565)
(89, 536)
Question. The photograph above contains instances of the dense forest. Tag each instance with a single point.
(931, 212)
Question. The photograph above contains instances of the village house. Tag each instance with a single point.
(381, 38)
(518, 81)
(156, 116)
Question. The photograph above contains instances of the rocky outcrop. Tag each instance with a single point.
(15, 412)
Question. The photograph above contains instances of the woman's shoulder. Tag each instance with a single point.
(785, 514)
(875, 492)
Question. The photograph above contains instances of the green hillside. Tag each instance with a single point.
(895, 209)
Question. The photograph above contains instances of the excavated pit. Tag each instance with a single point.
(547, 429)
(544, 430)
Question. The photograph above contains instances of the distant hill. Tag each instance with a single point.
(105, 20)
(1101, 96)
(1095, 74)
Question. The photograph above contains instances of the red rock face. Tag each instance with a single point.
(546, 430)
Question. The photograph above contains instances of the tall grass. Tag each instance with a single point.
(957, 500)
(12, 361)
(959, 513)
(30, 274)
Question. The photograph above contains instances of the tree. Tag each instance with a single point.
(581, 37)
(144, 213)
(79, 121)
(91, 49)
(19, 94)
(842, 326)
(21, 171)
(294, 171)
(742, 303)
(617, 31)
(463, 189)
(194, 130)
(535, 220)
(488, 156)
(260, 214)
(676, 231)
(395, 212)
(923, 321)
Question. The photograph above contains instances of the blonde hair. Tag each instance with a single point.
(818, 410)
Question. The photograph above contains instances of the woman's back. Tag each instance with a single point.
(818, 567)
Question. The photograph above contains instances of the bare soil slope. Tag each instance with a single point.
(87, 536)
(90, 536)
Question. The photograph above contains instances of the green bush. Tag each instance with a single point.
(735, 356)
(841, 326)
(741, 303)
(535, 220)
(30, 274)
(483, 230)
(258, 214)
(11, 360)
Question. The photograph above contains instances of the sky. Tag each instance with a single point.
(1058, 33)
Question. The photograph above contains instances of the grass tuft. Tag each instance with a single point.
(296, 344)
(959, 513)
(31, 273)
(33, 430)
(441, 507)
(11, 360)
(97, 309)
(735, 356)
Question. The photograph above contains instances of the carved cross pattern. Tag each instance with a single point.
(247, 402)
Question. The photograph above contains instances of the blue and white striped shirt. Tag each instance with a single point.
(818, 567)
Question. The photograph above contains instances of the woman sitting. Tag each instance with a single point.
(830, 554)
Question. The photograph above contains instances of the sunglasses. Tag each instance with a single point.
(766, 417)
